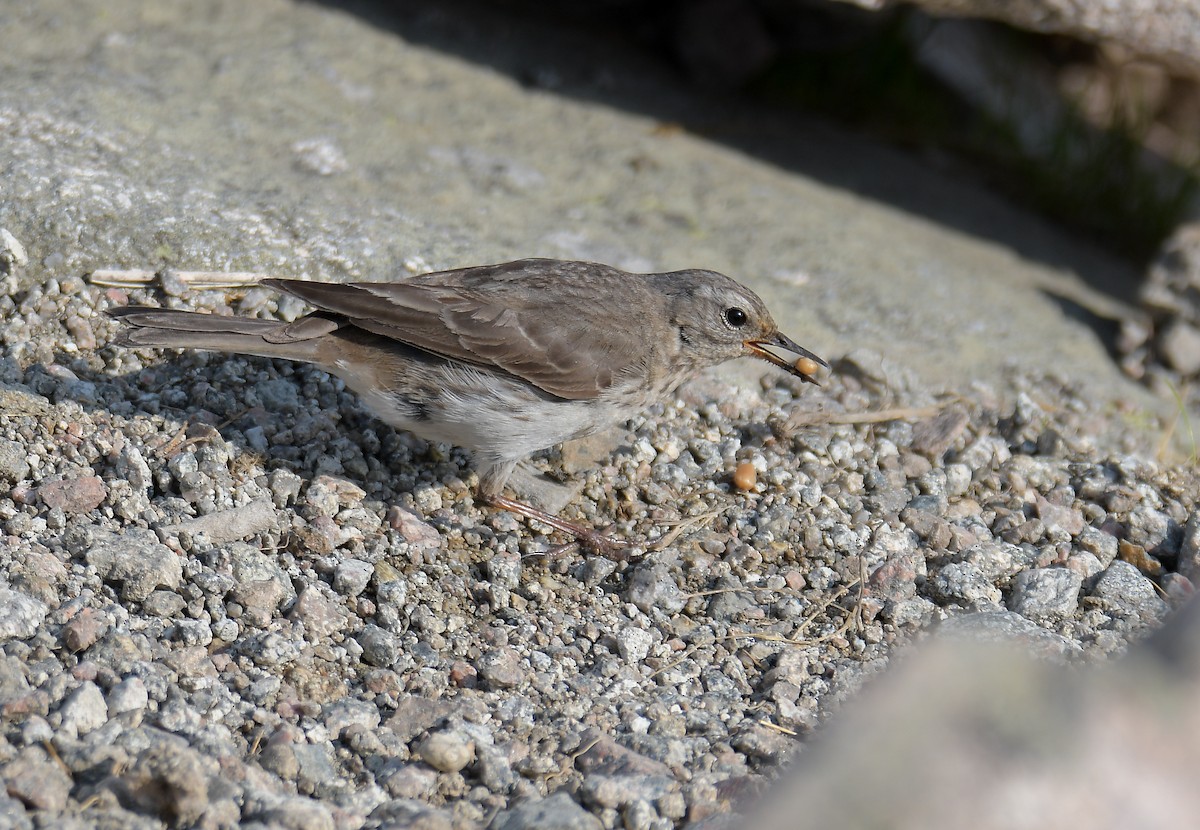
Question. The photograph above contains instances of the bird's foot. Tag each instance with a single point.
(619, 550)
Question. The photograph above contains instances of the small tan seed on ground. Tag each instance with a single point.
(745, 476)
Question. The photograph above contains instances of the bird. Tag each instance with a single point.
(503, 360)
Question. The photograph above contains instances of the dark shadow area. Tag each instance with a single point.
(607, 59)
(203, 395)
(1106, 328)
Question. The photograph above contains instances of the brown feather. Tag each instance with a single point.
(562, 340)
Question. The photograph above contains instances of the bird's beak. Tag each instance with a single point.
(803, 367)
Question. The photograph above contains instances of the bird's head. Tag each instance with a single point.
(719, 319)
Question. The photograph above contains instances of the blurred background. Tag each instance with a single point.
(1091, 118)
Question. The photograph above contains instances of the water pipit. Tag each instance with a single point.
(502, 360)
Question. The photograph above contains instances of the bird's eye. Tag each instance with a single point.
(735, 317)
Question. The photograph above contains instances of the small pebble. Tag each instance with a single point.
(447, 751)
(84, 710)
(127, 696)
(20, 615)
(76, 495)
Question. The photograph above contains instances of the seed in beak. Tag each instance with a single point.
(806, 366)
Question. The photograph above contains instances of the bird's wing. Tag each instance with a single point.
(545, 321)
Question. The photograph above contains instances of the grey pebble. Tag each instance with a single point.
(344, 714)
(379, 645)
(166, 778)
(1104, 546)
(256, 439)
(352, 576)
(599, 568)
(127, 696)
(84, 710)
(415, 714)
(316, 774)
(193, 632)
(501, 668)
(263, 689)
(1123, 587)
(1179, 345)
(12, 813)
(407, 780)
(958, 480)
(997, 560)
(652, 586)
(965, 583)
(272, 649)
(36, 731)
(634, 643)
(20, 615)
(322, 615)
(390, 592)
(325, 496)
(120, 651)
(13, 255)
(447, 751)
(504, 569)
(130, 466)
(279, 395)
(1189, 549)
(163, 604)
(791, 667)
(260, 585)
(1056, 518)
(617, 791)
(1045, 593)
(226, 630)
(640, 815)
(13, 464)
(36, 780)
(555, 812)
(403, 813)
(821, 578)
(493, 768)
(770, 745)
(285, 487)
(1152, 529)
(279, 753)
(987, 452)
(294, 813)
(1085, 563)
(137, 561)
(731, 599)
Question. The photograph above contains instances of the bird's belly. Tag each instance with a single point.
(499, 419)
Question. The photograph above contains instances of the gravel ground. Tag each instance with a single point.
(231, 598)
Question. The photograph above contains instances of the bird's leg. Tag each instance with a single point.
(607, 546)
(492, 479)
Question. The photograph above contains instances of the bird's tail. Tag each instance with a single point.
(175, 329)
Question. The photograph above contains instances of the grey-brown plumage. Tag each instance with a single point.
(503, 360)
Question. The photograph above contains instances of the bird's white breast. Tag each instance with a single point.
(497, 417)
